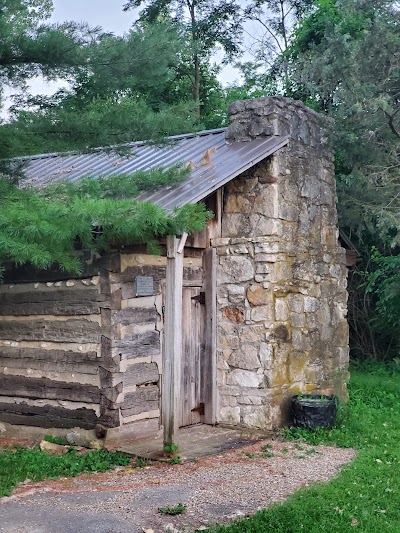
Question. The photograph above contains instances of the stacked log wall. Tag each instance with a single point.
(137, 332)
(76, 352)
(50, 352)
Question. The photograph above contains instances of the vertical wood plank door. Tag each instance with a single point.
(193, 316)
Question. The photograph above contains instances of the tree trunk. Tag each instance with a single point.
(285, 41)
(196, 87)
(196, 59)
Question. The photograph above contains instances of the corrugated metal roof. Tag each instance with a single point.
(214, 163)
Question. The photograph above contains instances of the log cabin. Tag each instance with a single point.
(222, 327)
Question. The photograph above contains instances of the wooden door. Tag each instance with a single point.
(193, 316)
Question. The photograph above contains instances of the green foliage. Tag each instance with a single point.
(118, 186)
(56, 440)
(42, 227)
(343, 61)
(34, 464)
(175, 460)
(266, 453)
(173, 511)
(364, 497)
(136, 64)
(274, 24)
(359, 90)
(30, 48)
(340, 57)
(116, 95)
(205, 25)
(209, 22)
(172, 450)
(384, 283)
(141, 462)
(101, 123)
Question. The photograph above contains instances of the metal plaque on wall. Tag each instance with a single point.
(144, 286)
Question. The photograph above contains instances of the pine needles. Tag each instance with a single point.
(43, 227)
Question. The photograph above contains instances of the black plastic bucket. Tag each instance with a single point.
(314, 411)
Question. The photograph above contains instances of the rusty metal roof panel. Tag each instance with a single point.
(213, 160)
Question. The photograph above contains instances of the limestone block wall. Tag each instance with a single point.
(281, 272)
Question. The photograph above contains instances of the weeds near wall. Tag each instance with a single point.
(17, 465)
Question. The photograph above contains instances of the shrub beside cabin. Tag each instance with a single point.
(222, 327)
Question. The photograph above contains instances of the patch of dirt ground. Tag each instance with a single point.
(215, 489)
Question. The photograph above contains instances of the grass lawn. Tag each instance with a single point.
(366, 495)
(19, 464)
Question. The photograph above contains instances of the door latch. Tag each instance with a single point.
(199, 409)
(201, 298)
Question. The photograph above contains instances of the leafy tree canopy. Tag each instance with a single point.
(116, 97)
(109, 102)
(346, 62)
(28, 47)
(205, 25)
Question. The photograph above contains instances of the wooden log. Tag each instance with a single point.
(47, 416)
(76, 331)
(141, 374)
(135, 315)
(91, 266)
(172, 342)
(49, 360)
(36, 388)
(82, 301)
(111, 418)
(158, 273)
(106, 321)
(109, 412)
(51, 356)
(116, 299)
(109, 378)
(209, 364)
(112, 393)
(142, 400)
(105, 287)
(108, 361)
(138, 345)
(127, 278)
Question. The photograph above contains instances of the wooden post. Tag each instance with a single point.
(209, 377)
(172, 339)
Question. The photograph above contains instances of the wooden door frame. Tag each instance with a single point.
(209, 377)
(172, 352)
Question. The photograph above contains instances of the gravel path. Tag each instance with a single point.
(214, 489)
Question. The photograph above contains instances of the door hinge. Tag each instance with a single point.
(201, 298)
(199, 409)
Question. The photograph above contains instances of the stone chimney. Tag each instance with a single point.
(281, 271)
(263, 117)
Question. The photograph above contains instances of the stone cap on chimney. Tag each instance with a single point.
(277, 115)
